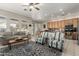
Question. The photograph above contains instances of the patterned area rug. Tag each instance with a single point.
(31, 49)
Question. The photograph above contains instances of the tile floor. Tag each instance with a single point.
(31, 49)
(71, 48)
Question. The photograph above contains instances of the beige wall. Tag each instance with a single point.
(39, 26)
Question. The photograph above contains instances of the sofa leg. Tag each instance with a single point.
(61, 50)
(36, 41)
(42, 43)
(49, 46)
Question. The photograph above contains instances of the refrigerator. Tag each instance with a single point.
(78, 31)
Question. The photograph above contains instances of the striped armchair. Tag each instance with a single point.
(42, 37)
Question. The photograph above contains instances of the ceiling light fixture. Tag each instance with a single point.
(31, 6)
(62, 12)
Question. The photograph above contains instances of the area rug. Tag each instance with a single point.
(31, 49)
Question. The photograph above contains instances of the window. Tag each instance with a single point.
(3, 25)
(13, 25)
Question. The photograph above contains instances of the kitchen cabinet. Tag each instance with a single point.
(62, 23)
(78, 31)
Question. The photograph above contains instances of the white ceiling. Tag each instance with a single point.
(47, 10)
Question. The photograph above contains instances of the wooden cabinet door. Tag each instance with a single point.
(69, 22)
(75, 20)
(61, 24)
(49, 24)
(52, 24)
(58, 24)
(55, 24)
(66, 22)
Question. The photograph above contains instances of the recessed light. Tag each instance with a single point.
(69, 13)
(31, 7)
(39, 13)
(46, 14)
(63, 12)
(60, 9)
(25, 3)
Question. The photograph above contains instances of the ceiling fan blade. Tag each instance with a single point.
(31, 4)
(36, 3)
(25, 9)
(30, 9)
(36, 8)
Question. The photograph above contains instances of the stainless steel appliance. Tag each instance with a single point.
(78, 31)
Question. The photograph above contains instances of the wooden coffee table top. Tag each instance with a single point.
(14, 39)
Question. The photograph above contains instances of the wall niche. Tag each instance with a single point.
(44, 26)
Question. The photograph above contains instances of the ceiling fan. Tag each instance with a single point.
(31, 6)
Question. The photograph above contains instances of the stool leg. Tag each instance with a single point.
(9, 46)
